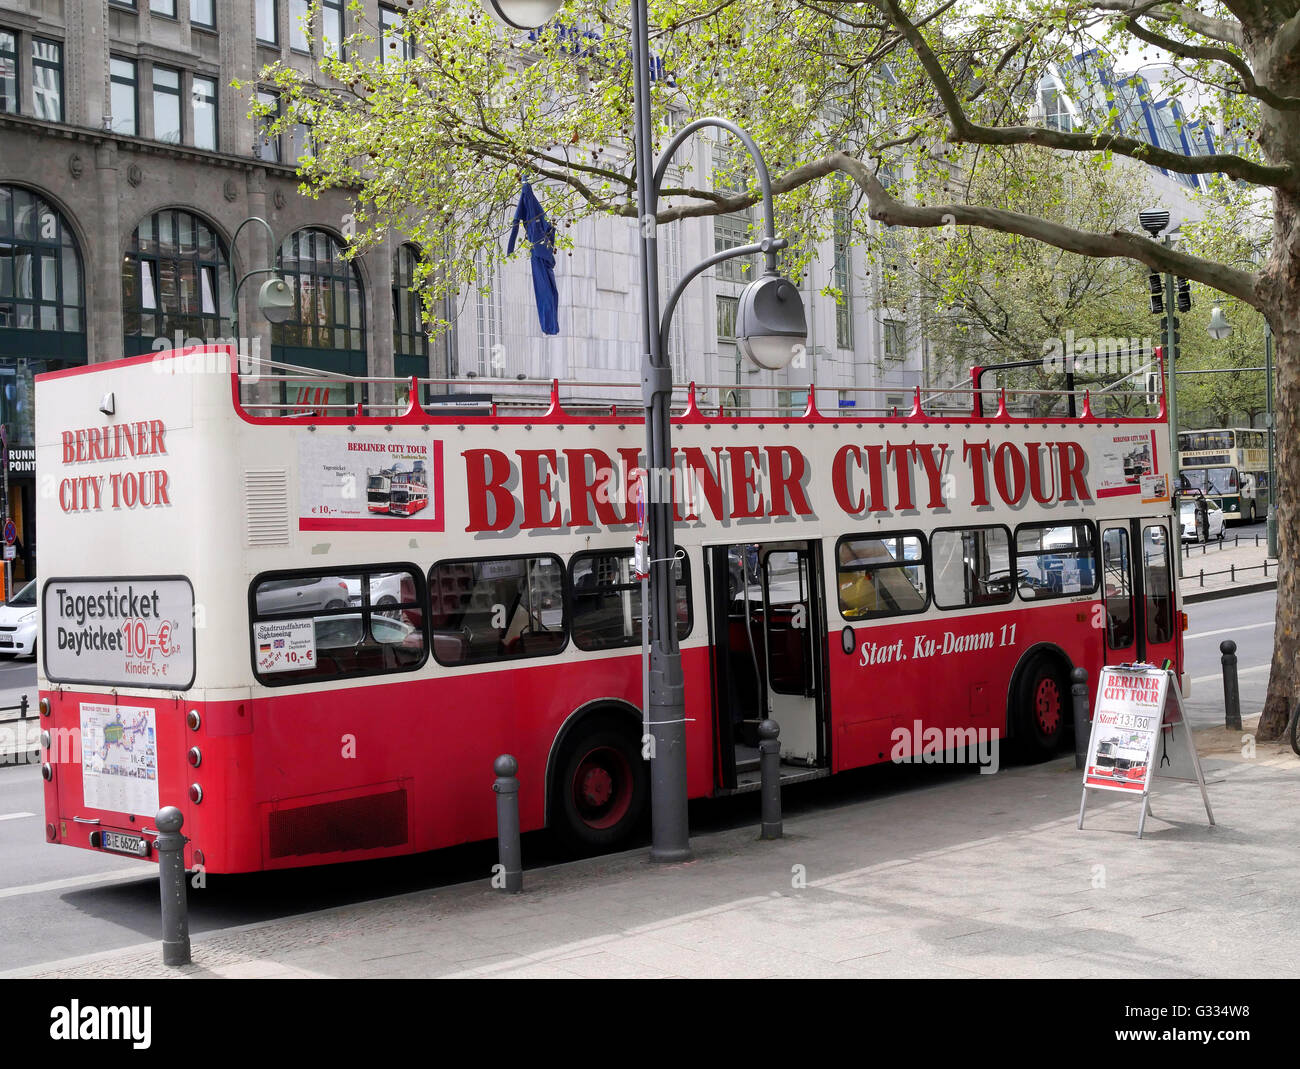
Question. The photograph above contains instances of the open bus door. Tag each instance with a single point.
(768, 631)
(1137, 570)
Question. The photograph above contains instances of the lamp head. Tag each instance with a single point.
(522, 14)
(1154, 220)
(275, 300)
(770, 323)
(1220, 329)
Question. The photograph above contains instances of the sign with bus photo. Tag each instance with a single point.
(134, 631)
(1124, 462)
(358, 484)
(1138, 712)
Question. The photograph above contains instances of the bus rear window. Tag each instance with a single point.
(318, 625)
(497, 609)
(881, 575)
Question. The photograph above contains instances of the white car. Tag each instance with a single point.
(1191, 528)
(18, 620)
(385, 590)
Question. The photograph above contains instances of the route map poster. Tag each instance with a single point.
(119, 758)
(364, 484)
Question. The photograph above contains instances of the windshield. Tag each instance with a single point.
(1210, 480)
(26, 596)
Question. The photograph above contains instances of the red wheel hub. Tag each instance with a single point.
(602, 787)
(1047, 705)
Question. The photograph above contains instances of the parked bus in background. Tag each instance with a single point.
(228, 629)
(1228, 465)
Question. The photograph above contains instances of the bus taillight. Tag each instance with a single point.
(1182, 621)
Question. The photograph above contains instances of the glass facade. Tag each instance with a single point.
(175, 278)
(328, 327)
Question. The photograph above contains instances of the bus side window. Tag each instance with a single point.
(1055, 560)
(1156, 585)
(881, 575)
(497, 609)
(607, 600)
(972, 566)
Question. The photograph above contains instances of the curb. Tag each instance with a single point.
(1228, 592)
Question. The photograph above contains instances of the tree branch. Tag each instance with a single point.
(1216, 29)
(1118, 243)
(964, 130)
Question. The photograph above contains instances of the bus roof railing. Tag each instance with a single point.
(417, 399)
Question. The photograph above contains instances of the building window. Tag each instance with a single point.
(727, 317)
(895, 340)
(267, 145)
(203, 118)
(47, 79)
(8, 72)
(489, 315)
(332, 27)
(268, 18)
(395, 47)
(732, 230)
(167, 105)
(310, 626)
(123, 100)
(497, 609)
(301, 142)
(174, 279)
(163, 7)
(40, 266)
(409, 338)
(203, 13)
(842, 277)
(299, 12)
(327, 294)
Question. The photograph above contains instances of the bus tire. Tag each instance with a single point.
(1041, 709)
(601, 787)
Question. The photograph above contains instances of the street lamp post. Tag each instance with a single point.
(770, 325)
(274, 298)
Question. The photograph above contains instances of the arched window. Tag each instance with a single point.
(175, 281)
(327, 330)
(40, 272)
(410, 343)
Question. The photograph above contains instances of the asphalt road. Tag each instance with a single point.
(57, 903)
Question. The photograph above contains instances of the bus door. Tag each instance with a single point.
(768, 633)
(1137, 571)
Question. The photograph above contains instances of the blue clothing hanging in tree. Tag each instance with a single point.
(541, 234)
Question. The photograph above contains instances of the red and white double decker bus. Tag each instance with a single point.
(227, 629)
(409, 492)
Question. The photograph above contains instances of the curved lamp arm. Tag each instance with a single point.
(760, 169)
(234, 290)
(769, 246)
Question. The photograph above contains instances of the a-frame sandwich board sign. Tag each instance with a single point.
(1139, 731)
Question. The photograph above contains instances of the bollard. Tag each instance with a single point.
(1232, 573)
(1231, 692)
(769, 765)
(1265, 567)
(509, 854)
(1202, 577)
(22, 708)
(1082, 725)
(170, 845)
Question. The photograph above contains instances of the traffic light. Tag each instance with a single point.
(1177, 338)
(1184, 295)
(1157, 283)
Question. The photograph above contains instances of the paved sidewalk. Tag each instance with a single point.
(1222, 557)
(970, 875)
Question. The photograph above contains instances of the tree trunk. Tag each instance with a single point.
(1282, 281)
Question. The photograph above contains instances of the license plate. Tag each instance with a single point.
(124, 844)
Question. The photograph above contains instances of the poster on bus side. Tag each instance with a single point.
(1125, 723)
(347, 483)
(285, 645)
(1127, 464)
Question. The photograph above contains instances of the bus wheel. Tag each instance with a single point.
(1042, 707)
(601, 791)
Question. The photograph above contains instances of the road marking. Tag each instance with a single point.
(73, 881)
(1240, 672)
(15, 816)
(1227, 630)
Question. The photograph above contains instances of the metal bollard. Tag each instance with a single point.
(22, 708)
(769, 766)
(509, 853)
(170, 845)
(1231, 692)
(1082, 719)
